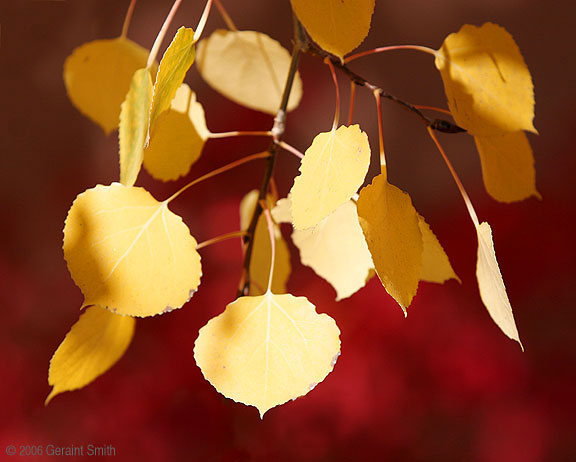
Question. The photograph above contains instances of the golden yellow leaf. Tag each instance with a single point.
(338, 26)
(491, 285)
(176, 61)
(390, 225)
(507, 166)
(129, 253)
(134, 126)
(486, 80)
(264, 351)
(249, 68)
(93, 345)
(335, 249)
(97, 76)
(436, 266)
(333, 169)
(179, 137)
(262, 251)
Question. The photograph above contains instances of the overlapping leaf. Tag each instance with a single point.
(262, 250)
(436, 266)
(178, 139)
(507, 166)
(249, 68)
(134, 126)
(176, 61)
(97, 77)
(264, 351)
(335, 249)
(487, 82)
(491, 285)
(333, 169)
(93, 345)
(129, 253)
(338, 26)
(392, 232)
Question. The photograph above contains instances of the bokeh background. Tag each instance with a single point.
(442, 385)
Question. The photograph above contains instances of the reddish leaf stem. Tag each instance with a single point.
(238, 133)
(128, 18)
(427, 50)
(220, 238)
(225, 16)
(335, 80)
(291, 149)
(380, 135)
(352, 99)
(162, 34)
(433, 108)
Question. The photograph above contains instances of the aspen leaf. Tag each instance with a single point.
(436, 266)
(176, 61)
(392, 232)
(97, 76)
(333, 169)
(179, 137)
(335, 249)
(338, 26)
(507, 166)
(129, 253)
(264, 351)
(491, 285)
(249, 68)
(134, 126)
(487, 83)
(93, 345)
(262, 250)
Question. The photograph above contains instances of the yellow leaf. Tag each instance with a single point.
(129, 253)
(264, 351)
(507, 166)
(134, 126)
(333, 169)
(178, 138)
(492, 289)
(338, 26)
(249, 68)
(390, 225)
(262, 251)
(93, 345)
(436, 266)
(335, 249)
(486, 80)
(97, 76)
(176, 61)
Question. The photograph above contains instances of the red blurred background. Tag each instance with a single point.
(442, 385)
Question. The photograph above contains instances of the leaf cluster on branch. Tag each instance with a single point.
(131, 256)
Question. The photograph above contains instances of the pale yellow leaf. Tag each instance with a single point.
(178, 139)
(282, 211)
(507, 166)
(333, 169)
(97, 77)
(134, 126)
(262, 250)
(338, 26)
(264, 351)
(390, 225)
(93, 345)
(175, 63)
(486, 80)
(436, 266)
(335, 249)
(129, 253)
(249, 68)
(491, 285)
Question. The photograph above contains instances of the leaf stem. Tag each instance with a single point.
(202, 22)
(335, 80)
(128, 18)
(291, 149)
(162, 34)
(229, 23)
(390, 48)
(220, 238)
(380, 136)
(225, 168)
(352, 100)
(270, 226)
(239, 133)
(463, 192)
(433, 108)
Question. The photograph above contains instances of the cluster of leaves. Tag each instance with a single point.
(133, 257)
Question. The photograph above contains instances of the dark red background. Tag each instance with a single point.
(442, 385)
